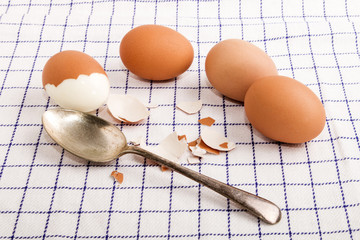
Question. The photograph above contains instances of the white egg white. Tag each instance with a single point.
(86, 93)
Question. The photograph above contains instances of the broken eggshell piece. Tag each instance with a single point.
(197, 151)
(208, 121)
(199, 148)
(119, 177)
(152, 105)
(127, 108)
(214, 139)
(171, 147)
(190, 107)
(193, 160)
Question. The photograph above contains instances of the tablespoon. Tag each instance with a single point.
(97, 140)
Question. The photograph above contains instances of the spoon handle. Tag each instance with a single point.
(257, 206)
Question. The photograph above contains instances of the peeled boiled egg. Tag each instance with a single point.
(74, 80)
(156, 52)
(233, 65)
(284, 109)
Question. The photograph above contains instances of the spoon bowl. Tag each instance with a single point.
(84, 135)
(97, 140)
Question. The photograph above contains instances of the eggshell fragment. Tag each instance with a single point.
(163, 168)
(127, 108)
(181, 137)
(137, 141)
(156, 52)
(197, 151)
(208, 148)
(170, 148)
(233, 65)
(214, 139)
(119, 177)
(195, 148)
(284, 109)
(193, 160)
(193, 143)
(152, 105)
(199, 148)
(208, 121)
(190, 107)
(224, 145)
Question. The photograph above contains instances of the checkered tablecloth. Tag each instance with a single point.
(47, 193)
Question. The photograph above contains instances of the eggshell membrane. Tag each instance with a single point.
(284, 109)
(156, 52)
(233, 65)
(69, 65)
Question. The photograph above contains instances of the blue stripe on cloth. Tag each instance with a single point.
(117, 160)
(199, 114)
(38, 139)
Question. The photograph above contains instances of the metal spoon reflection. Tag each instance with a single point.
(97, 140)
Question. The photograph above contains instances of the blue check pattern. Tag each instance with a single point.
(47, 193)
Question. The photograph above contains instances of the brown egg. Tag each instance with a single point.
(69, 65)
(76, 81)
(233, 65)
(284, 109)
(156, 52)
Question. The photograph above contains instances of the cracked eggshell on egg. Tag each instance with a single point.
(75, 80)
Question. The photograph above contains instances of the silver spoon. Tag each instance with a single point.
(97, 140)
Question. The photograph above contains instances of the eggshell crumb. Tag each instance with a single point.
(193, 160)
(199, 148)
(214, 139)
(152, 105)
(190, 107)
(208, 148)
(180, 137)
(127, 108)
(172, 145)
(193, 143)
(163, 168)
(170, 148)
(208, 121)
(224, 145)
(197, 151)
(119, 177)
(137, 141)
